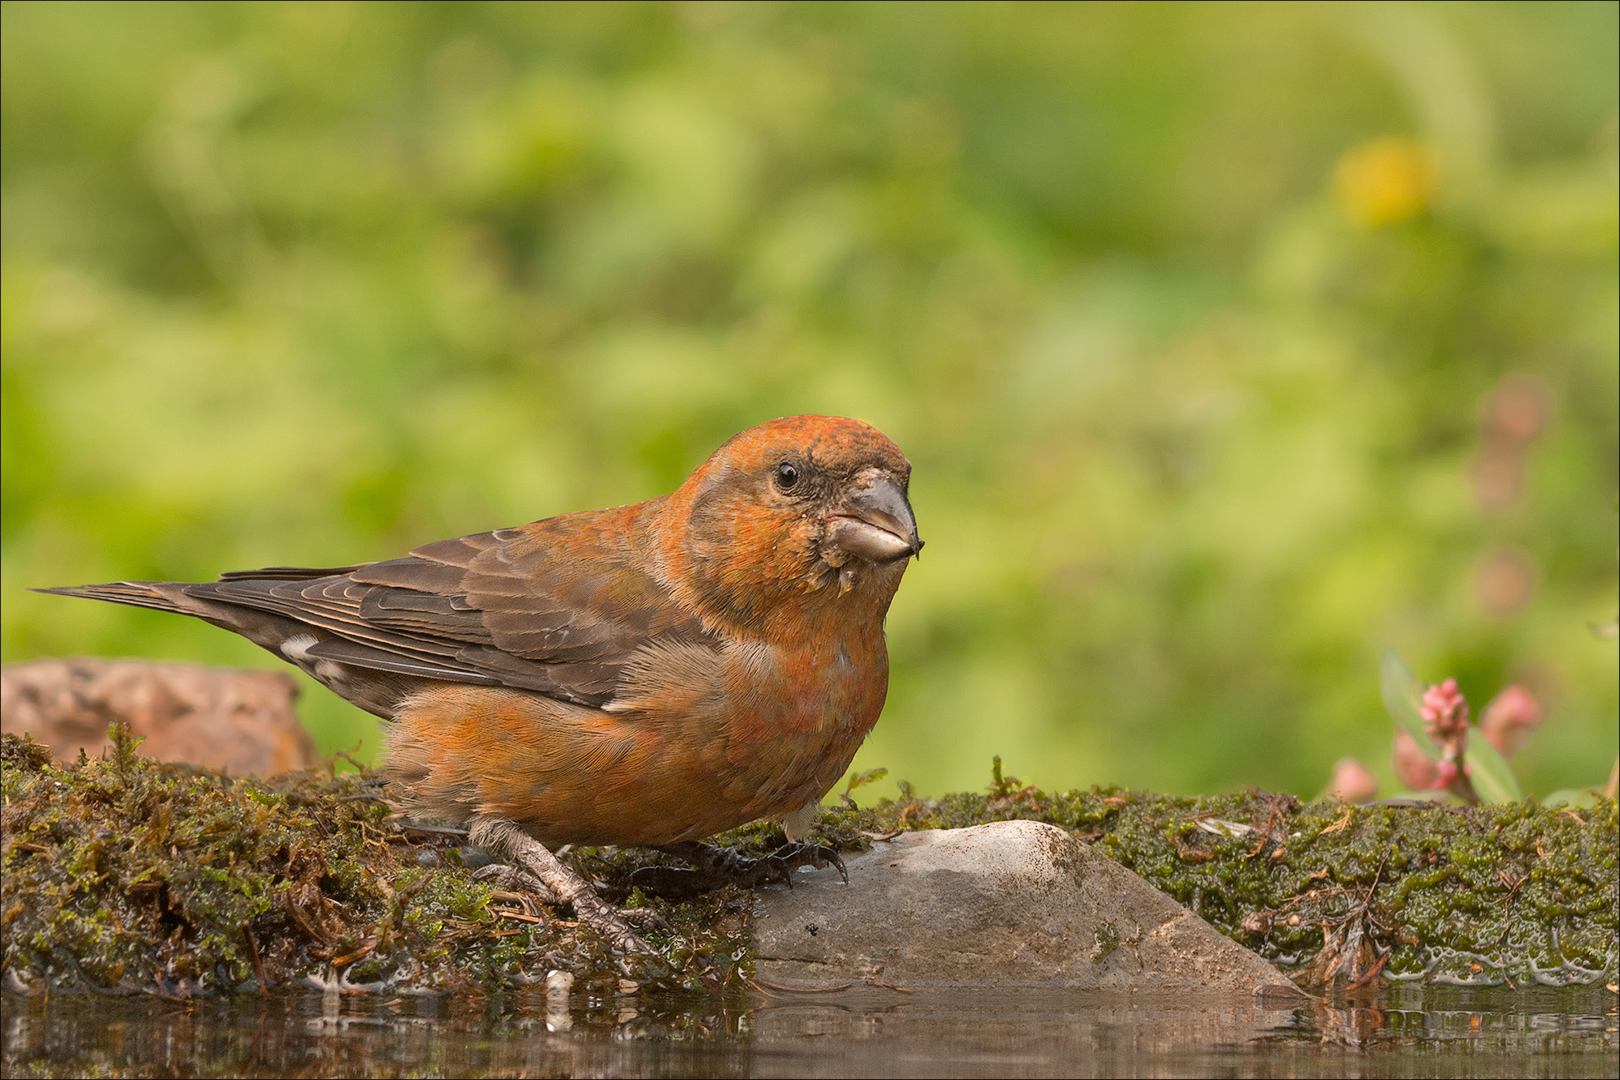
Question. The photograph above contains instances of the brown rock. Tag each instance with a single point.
(1012, 903)
(234, 719)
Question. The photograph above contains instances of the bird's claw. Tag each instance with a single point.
(644, 918)
(789, 857)
(516, 879)
(714, 867)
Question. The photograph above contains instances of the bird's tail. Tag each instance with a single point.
(146, 594)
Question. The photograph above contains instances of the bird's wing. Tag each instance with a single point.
(557, 607)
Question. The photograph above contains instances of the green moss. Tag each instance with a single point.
(127, 874)
(1107, 939)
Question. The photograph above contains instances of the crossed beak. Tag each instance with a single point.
(874, 520)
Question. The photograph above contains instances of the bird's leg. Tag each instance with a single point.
(531, 860)
(717, 866)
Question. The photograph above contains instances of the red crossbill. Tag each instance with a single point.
(645, 675)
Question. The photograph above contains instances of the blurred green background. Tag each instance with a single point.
(1230, 343)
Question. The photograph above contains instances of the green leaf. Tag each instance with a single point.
(1577, 797)
(1489, 771)
(1403, 694)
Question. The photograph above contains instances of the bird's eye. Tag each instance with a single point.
(787, 476)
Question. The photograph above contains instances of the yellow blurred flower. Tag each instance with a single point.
(1385, 180)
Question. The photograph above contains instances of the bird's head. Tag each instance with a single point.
(806, 511)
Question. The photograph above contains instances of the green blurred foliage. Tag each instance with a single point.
(1199, 324)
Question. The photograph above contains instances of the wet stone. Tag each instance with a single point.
(1011, 903)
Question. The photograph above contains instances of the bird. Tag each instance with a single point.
(645, 675)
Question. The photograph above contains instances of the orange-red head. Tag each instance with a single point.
(788, 518)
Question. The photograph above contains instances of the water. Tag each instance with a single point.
(1404, 1031)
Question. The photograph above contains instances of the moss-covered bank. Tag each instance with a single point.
(125, 874)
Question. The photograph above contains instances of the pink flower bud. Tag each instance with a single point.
(1444, 710)
(1412, 765)
(1352, 782)
(1510, 718)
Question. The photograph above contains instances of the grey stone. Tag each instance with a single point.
(1013, 903)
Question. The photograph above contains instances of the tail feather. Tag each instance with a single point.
(135, 593)
(376, 687)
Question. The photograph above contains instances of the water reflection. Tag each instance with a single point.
(1404, 1031)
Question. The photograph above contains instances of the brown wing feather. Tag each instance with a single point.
(287, 573)
(557, 607)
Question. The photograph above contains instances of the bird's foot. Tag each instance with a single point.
(516, 879)
(511, 878)
(714, 867)
(532, 865)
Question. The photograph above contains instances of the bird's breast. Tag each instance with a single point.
(700, 738)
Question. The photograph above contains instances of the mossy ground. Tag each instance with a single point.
(125, 874)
